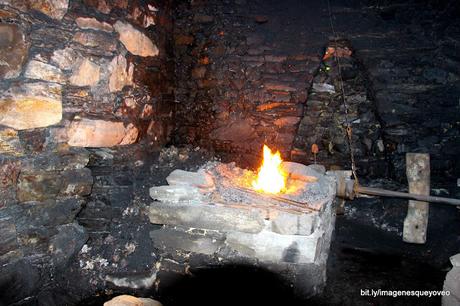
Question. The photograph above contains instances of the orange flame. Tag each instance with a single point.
(270, 178)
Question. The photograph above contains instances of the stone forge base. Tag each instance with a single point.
(210, 212)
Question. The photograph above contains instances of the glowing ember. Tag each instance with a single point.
(270, 177)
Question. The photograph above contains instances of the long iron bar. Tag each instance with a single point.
(278, 198)
(396, 194)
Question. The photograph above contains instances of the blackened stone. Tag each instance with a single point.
(49, 213)
(63, 158)
(435, 74)
(172, 239)
(7, 236)
(33, 141)
(42, 185)
(76, 182)
(38, 186)
(68, 241)
(18, 281)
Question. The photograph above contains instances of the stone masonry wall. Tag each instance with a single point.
(410, 52)
(242, 78)
(327, 116)
(73, 74)
(244, 70)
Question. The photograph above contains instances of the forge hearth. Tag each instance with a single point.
(216, 212)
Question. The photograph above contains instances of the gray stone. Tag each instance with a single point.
(65, 58)
(273, 247)
(450, 300)
(134, 281)
(452, 284)
(199, 179)
(41, 71)
(67, 242)
(7, 236)
(41, 185)
(63, 158)
(455, 260)
(49, 213)
(206, 216)
(198, 241)
(293, 224)
(176, 193)
(324, 87)
(76, 182)
(300, 172)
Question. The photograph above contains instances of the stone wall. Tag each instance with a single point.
(241, 80)
(337, 100)
(74, 74)
(95, 72)
(410, 52)
(244, 71)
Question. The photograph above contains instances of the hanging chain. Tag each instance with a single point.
(349, 129)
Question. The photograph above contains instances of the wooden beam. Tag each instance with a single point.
(418, 176)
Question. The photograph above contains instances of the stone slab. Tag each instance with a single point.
(206, 216)
(171, 239)
(273, 247)
(293, 224)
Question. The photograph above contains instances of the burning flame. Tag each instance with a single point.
(270, 177)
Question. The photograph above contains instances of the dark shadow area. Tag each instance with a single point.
(227, 285)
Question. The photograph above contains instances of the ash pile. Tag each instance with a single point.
(216, 213)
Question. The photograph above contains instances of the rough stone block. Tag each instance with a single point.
(41, 71)
(49, 213)
(38, 186)
(10, 143)
(13, 50)
(199, 179)
(293, 224)
(197, 241)
(100, 133)
(452, 282)
(41, 185)
(55, 9)
(7, 236)
(300, 172)
(206, 216)
(93, 24)
(76, 182)
(176, 194)
(121, 74)
(86, 74)
(31, 105)
(67, 242)
(134, 40)
(273, 247)
(96, 40)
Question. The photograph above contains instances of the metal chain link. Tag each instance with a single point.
(349, 129)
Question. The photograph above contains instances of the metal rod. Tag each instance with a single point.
(278, 198)
(405, 195)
